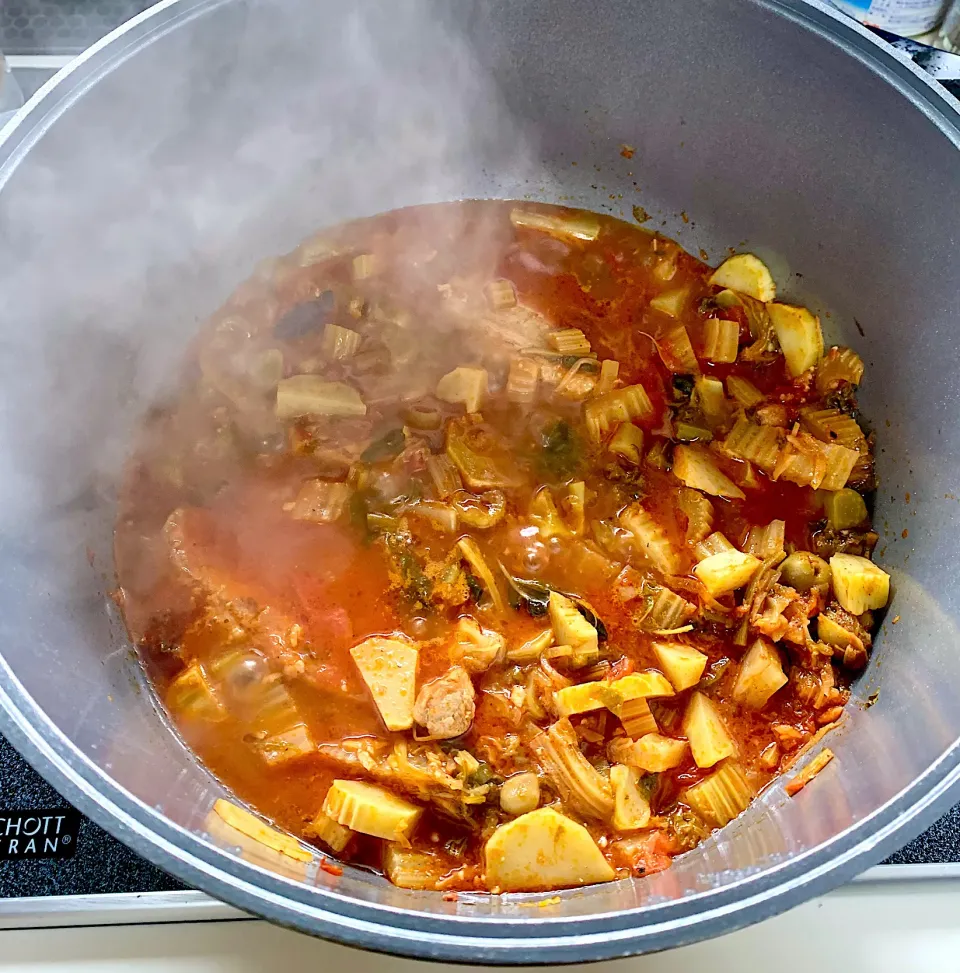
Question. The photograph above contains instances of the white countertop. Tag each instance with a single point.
(874, 926)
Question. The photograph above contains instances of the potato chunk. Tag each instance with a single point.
(858, 583)
(655, 753)
(799, 334)
(543, 850)
(760, 676)
(464, 385)
(747, 274)
(389, 668)
(703, 725)
(683, 664)
(721, 573)
(580, 699)
(371, 809)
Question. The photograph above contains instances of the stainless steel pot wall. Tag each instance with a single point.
(142, 183)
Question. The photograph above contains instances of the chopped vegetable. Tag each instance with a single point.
(746, 393)
(636, 717)
(656, 754)
(389, 668)
(365, 265)
(704, 728)
(627, 443)
(445, 476)
(649, 539)
(699, 513)
(833, 426)
(340, 343)
(441, 516)
(484, 463)
(839, 367)
(721, 339)
(727, 571)
(638, 685)
(580, 699)
(694, 466)
(520, 793)
(543, 850)
(570, 341)
(760, 675)
(545, 516)
(623, 405)
(809, 772)
(481, 512)
(532, 649)
(476, 648)
(581, 786)
(371, 809)
(758, 444)
(671, 302)
(747, 274)
(289, 744)
(579, 226)
(765, 542)
(683, 664)
(523, 380)
(250, 825)
(500, 294)
(571, 628)
(799, 334)
(845, 509)
(676, 350)
(709, 396)
(335, 836)
(310, 395)
(631, 810)
(411, 869)
(859, 584)
(720, 797)
(191, 696)
(388, 446)
(466, 385)
(561, 451)
(609, 372)
(478, 564)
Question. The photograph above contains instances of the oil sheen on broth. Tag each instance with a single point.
(502, 546)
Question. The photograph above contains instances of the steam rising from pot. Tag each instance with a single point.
(272, 120)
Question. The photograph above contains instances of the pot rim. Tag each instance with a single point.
(491, 940)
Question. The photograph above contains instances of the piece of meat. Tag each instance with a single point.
(446, 706)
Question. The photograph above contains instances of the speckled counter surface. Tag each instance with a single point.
(102, 864)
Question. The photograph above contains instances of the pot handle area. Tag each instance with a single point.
(941, 65)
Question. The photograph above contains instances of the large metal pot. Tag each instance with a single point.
(144, 181)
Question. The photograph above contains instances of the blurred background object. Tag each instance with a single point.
(909, 18)
(948, 37)
(11, 98)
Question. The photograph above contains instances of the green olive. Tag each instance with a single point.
(803, 571)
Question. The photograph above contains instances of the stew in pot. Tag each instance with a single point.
(503, 546)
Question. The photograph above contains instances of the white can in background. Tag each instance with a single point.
(905, 17)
